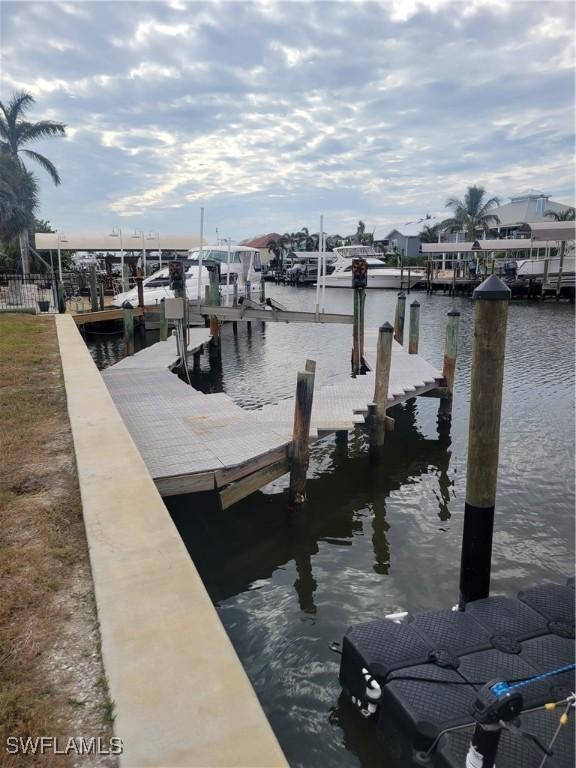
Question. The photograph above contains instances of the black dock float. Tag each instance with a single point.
(417, 678)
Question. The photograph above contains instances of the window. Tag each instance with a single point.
(257, 262)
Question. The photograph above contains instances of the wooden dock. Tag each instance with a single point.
(192, 441)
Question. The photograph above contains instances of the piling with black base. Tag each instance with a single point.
(359, 282)
(487, 376)
(399, 318)
(300, 448)
(163, 321)
(214, 272)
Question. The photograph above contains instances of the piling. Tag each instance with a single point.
(101, 295)
(129, 330)
(140, 288)
(300, 452)
(262, 291)
(377, 409)
(414, 328)
(560, 270)
(235, 291)
(359, 281)
(214, 273)
(163, 321)
(449, 367)
(399, 319)
(408, 284)
(93, 290)
(247, 289)
(487, 375)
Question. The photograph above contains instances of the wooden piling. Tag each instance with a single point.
(399, 319)
(449, 367)
(140, 288)
(560, 269)
(487, 376)
(163, 321)
(101, 295)
(414, 328)
(129, 330)
(408, 285)
(248, 289)
(300, 452)
(262, 291)
(93, 290)
(214, 273)
(377, 409)
(235, 291)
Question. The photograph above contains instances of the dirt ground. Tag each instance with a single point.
(52, 682)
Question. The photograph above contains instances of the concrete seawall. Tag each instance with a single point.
(181, 695)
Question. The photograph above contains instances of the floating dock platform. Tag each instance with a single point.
(191, 441)
(419, 679)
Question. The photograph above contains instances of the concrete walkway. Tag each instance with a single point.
(180, 693)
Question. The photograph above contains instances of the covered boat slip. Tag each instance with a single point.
(192, 441)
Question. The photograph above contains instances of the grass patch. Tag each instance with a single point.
(42, 544)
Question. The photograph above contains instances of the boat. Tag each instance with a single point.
(304, 267)
(243, 264)
(380, 275)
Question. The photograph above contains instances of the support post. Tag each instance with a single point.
(560, 269)
(399, 319)
(101, 295)
(163, 321)
(262, 290)
(247, 289)
(214, 273)
(235, 291)
(487, 376)
(300, 453)
(449, 366)
(377, 409)
(408, 285)
(414, 328)
(93, 290)
(129, 330)
(140, 287)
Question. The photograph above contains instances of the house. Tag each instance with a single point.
(528, 207)
(404, 238)
(261, 241)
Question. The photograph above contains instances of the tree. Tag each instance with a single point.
(472, 213)
(15, 133)
(566, 215)
(430, 234)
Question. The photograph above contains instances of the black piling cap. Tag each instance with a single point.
(387, 328)
(126, 305)
(453, 313)
(492, 289)
(401, 295)
(415, 303)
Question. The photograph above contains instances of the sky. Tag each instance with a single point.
(269, 114)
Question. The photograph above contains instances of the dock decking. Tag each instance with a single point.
(192, 441)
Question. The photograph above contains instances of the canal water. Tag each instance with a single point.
(372, 540)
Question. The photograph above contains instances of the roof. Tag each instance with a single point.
(513, 244)
(261, 241)
(523, 209)
(551, 230)
(413, 228)
(104, 241)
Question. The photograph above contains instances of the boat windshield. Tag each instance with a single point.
(212, 254)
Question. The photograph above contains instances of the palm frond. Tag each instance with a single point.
(41, 130)
(48, 166)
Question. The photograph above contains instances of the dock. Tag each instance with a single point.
(191, 441)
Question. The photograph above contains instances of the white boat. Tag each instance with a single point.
(380, 275)
(244, 264)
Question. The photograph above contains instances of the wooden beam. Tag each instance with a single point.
(242, 488)
(247, 313)
(178, 484)
(104, 315)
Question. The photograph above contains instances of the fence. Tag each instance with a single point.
(36, 293)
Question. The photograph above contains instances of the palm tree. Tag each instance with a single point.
(566, 215)
(472, 213)
(15, 132)
(430, 234)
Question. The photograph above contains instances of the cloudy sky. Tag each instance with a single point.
(271, 113)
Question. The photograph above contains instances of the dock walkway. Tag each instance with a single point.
(191, 441)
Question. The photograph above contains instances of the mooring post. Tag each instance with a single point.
(101, 295)
(129, 330)
(262, 291)
(408, 284)
(93, 290)
(247, 289)
(300, 449)
(235, 291)
(449, 367)
(487, 376)
(377, 409)
(163, 321)
(399, 319)
(140, 286)
(214, 273)
(560, 270)
(414, 328)
(359, 281)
